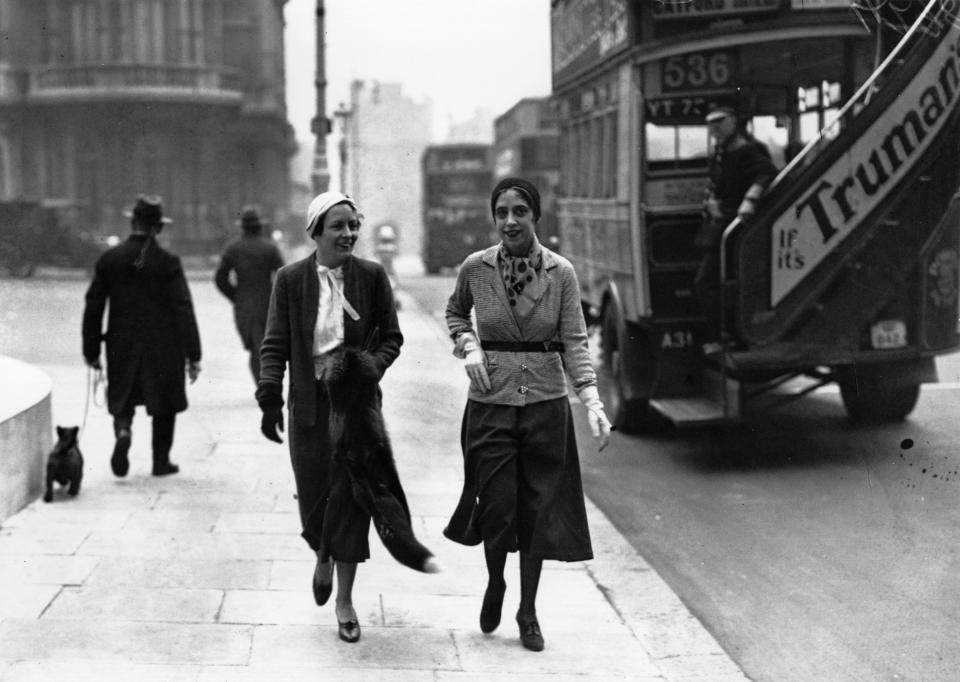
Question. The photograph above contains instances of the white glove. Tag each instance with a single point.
(475, 362)
(599, 424)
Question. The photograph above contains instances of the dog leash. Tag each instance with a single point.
(94, 380)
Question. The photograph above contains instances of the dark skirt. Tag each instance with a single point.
(522, 487)
(333, 523)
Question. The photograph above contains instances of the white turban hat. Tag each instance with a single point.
(322, 203)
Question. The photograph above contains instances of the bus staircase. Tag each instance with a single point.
(866, 201)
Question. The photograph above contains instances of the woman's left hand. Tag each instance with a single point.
(476, 365)
(599, 426)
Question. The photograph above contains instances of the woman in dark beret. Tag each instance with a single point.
(522, 488)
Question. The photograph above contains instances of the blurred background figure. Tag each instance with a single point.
(386, 248)
(245, 276)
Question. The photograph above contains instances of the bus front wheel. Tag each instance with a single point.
(629, 414)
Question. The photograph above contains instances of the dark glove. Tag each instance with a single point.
(271, 422)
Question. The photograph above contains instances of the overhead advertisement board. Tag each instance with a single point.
(857, 182)
(694, 9)
(587, 32)
(821, 4)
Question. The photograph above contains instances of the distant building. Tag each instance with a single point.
(526, 143)
(103, 99)
(383, 137)
(476, 129)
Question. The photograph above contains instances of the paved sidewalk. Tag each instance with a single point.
(203, 576)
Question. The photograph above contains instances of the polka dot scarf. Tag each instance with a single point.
(521, 277)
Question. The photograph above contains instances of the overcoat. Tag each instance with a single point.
(151, 328)
(253, 259)
(291, 320)
(293, 316)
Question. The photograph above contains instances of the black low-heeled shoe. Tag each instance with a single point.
(321, 590)
(491, 608)
(530, 635)
(349, 631)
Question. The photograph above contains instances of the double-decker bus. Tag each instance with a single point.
(457, 179)
(526, 144)
(847, 273)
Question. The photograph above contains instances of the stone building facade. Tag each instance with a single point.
(101, 100)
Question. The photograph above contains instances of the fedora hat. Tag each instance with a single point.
(148, 211)
(250, 219)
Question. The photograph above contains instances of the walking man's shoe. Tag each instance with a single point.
(165, 468)
(119, 462)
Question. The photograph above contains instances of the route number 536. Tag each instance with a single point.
(698, 71)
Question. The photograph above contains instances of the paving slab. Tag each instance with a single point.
(394, 648)
(124, 642)
(172, 572)
(26, 569)
(85, 670)
(145, 603)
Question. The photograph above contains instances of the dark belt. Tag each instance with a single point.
(524, 346)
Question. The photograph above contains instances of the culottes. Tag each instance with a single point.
(522, 487)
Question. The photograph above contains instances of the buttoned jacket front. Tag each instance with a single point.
(519, 378)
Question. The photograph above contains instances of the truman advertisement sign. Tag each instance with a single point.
(856, 183)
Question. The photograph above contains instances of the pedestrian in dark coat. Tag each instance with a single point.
(151, 336)
(252, 261)
(522, 488)
(740, 171)
(320, 304)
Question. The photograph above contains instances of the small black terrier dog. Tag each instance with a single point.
(65, 465)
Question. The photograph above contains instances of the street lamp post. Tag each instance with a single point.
(320, 125)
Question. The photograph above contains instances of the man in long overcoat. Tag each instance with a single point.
(253, 261)
(151, 335)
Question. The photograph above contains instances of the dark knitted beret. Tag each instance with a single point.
(526, 189)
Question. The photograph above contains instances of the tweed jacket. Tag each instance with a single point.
(522, 378)
(290, 325)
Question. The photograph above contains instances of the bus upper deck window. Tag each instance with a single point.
(691, 142)
(818, 107)
(670, 145)
(661, 143)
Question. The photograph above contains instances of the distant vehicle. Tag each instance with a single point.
(33, 234)
(457, 179)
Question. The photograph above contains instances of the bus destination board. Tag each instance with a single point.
(694, 9)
